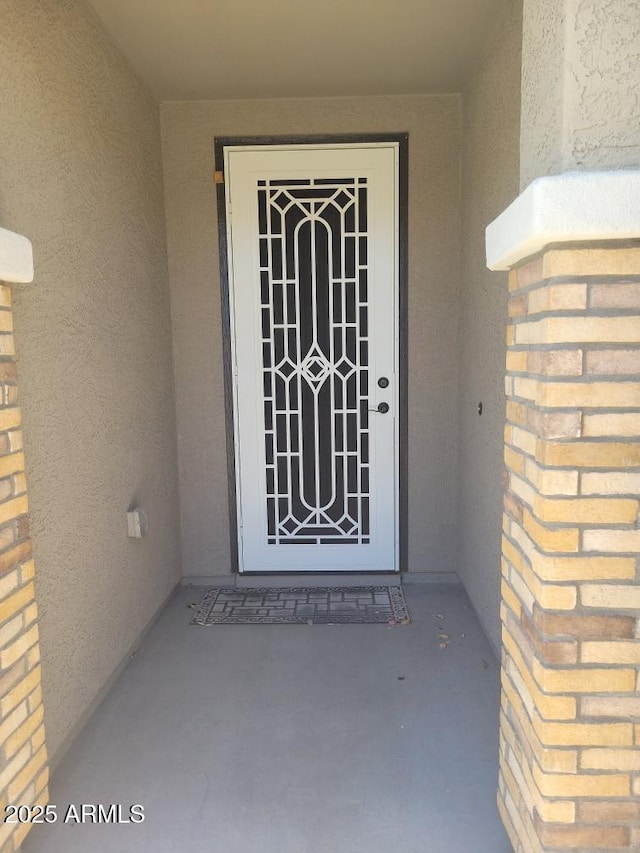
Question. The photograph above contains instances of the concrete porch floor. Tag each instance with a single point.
(294, 739)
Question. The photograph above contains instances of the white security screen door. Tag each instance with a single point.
(313, 269)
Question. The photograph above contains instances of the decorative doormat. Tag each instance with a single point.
(303, 606)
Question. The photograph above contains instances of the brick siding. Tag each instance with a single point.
(570, 707)
(23, 756)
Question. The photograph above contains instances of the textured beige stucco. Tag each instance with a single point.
(541, 89)
(490, 155)
(188, 131)
(580, 86)
(80, 174)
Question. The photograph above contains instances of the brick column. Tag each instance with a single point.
(570, 706)
(570, 715)
(23, 756)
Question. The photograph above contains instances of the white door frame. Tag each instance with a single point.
(222, 146)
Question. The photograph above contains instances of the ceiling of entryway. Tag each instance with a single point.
(191, 49)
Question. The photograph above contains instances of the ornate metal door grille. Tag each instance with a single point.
(314, 301)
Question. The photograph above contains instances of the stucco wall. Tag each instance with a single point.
(541, 89)
(188, 131)
(580, 86)
(80, 174)
(490, 161)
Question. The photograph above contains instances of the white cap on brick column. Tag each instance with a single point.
(575, 207)
(16, 258)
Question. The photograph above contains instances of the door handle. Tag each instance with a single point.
(381, 408)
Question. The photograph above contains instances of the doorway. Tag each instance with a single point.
(313, 251)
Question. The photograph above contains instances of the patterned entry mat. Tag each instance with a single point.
(303, 606)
